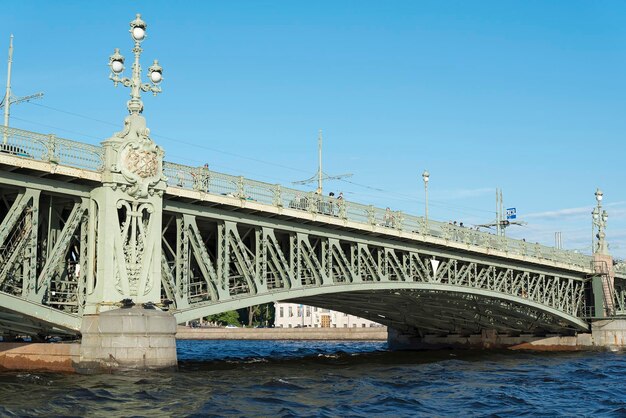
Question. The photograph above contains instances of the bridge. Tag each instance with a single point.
(85, 230)
(79, 233)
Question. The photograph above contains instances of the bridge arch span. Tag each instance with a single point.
(216, 261)
(429, 308)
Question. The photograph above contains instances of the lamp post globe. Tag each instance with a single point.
(117, 67)
(134, 82)
(116, 62)
(155, 77)
(139, 34)
(138, 29)
(155, 72)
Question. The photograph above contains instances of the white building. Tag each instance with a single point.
(293, 315)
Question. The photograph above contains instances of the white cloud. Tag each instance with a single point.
(615, 210)
(575, 226)
(569, 212)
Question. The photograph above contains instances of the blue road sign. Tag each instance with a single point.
(511, 213)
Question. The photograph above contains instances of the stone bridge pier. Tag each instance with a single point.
(122, 326)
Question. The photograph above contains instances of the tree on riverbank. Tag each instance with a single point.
(258, 315)
(224, 318)
(255, 315)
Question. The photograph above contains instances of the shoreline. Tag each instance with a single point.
(341, 334)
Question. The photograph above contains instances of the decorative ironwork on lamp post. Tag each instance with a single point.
(155, 72)
(426, 177)
(130, 201)
(131, 152)
(600, 217)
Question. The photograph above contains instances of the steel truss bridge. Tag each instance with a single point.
(83, 227)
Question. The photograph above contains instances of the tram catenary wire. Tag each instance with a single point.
(401, 197)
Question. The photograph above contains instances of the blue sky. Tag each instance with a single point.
(528, 96)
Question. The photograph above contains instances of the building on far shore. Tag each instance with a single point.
(294, 315)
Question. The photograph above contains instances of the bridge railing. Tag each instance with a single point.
(201, 178)
(50, 148)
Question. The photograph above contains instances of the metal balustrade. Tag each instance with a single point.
(50, 148)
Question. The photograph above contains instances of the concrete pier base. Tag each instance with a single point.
(62, 357)
(127, 339)
(607, 334)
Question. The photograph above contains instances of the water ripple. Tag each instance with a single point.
(330, 379)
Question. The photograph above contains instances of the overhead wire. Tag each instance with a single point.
(156, 136)
(178, 157)
(67, 112)
(57, 128)
(398, 196)
(414, 199)
(181, 141)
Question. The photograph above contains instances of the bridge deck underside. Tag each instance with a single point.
(433, 312)
(15, 324)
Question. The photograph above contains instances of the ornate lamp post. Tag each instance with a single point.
(132, 153)
(127, 215)
(600, 218)
(155, 72)
(130, 200)
(426, 177)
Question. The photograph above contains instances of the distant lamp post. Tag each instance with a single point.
(600, 218)
(155, 72)
(426, 177)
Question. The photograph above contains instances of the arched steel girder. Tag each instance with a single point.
(338, 297)
(432, 312)
(30, 318)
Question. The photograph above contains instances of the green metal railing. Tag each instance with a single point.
(66, 152)
(51, 148)
(202, 179)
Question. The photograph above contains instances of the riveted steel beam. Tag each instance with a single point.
(202, 257)
(30, 309)
(43, 185)
(58, 253)
(346, 235)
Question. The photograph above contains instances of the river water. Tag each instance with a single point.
(332, 379)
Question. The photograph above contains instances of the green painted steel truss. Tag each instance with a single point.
(216, 260)
(220, 259)
(43, 239)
